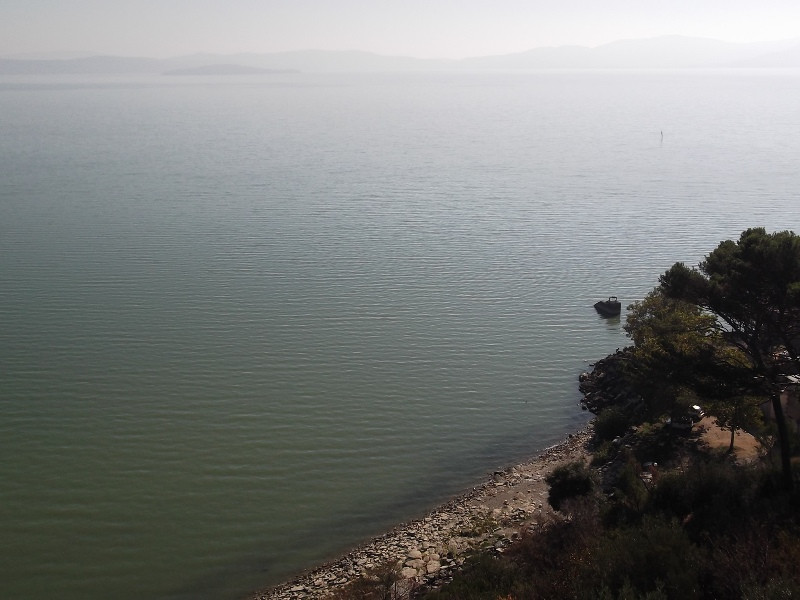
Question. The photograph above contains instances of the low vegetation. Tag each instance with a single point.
(711, 530)
(568, 482)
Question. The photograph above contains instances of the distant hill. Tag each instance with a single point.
(666, 52)
(226, 69)
(92, 65)
(326, 61)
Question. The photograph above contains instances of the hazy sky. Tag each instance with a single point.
(422, 28)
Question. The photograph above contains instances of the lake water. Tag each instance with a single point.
(246, 323)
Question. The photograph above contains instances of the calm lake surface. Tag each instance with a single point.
(248, 322)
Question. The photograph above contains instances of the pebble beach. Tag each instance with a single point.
(428, 550)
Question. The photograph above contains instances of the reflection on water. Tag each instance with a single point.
(245, 326)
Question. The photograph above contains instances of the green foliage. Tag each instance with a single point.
(758, 562)
(612, 422)
(673, 340)
(752, 287)
(709, 495)
(664, 326)
(568, 481)
(655, 556)
(478, 526)
(628, 592)
(631, 490)
(654, 443)
(774, 589)
(482, 577)
(604, 453)
(753, 284)
(553, 561)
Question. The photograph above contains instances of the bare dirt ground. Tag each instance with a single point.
(746, 448)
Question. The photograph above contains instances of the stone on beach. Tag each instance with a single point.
(429, 549)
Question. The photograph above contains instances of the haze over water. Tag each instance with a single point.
(246, 323)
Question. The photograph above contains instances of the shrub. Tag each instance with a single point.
(627, 504)
(603, 453)
(774, 589)
(611, 423)
(568, 481)
(655, 557)
(552, 558)
(483, 576)
(716, 495)
(758, 563)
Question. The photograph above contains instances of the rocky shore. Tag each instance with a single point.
(427, 551)
(606, 385)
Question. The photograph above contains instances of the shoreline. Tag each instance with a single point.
(426, 552)
(429, 549)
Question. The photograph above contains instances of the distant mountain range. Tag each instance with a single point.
(223, 69)
(666, 52)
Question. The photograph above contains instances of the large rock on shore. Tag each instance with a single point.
(608, 384)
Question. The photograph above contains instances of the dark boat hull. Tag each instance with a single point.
(608, 308)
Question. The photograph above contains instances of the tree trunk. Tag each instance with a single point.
(733, 439)
(783, 440)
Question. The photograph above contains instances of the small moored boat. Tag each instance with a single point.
(608, 308)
